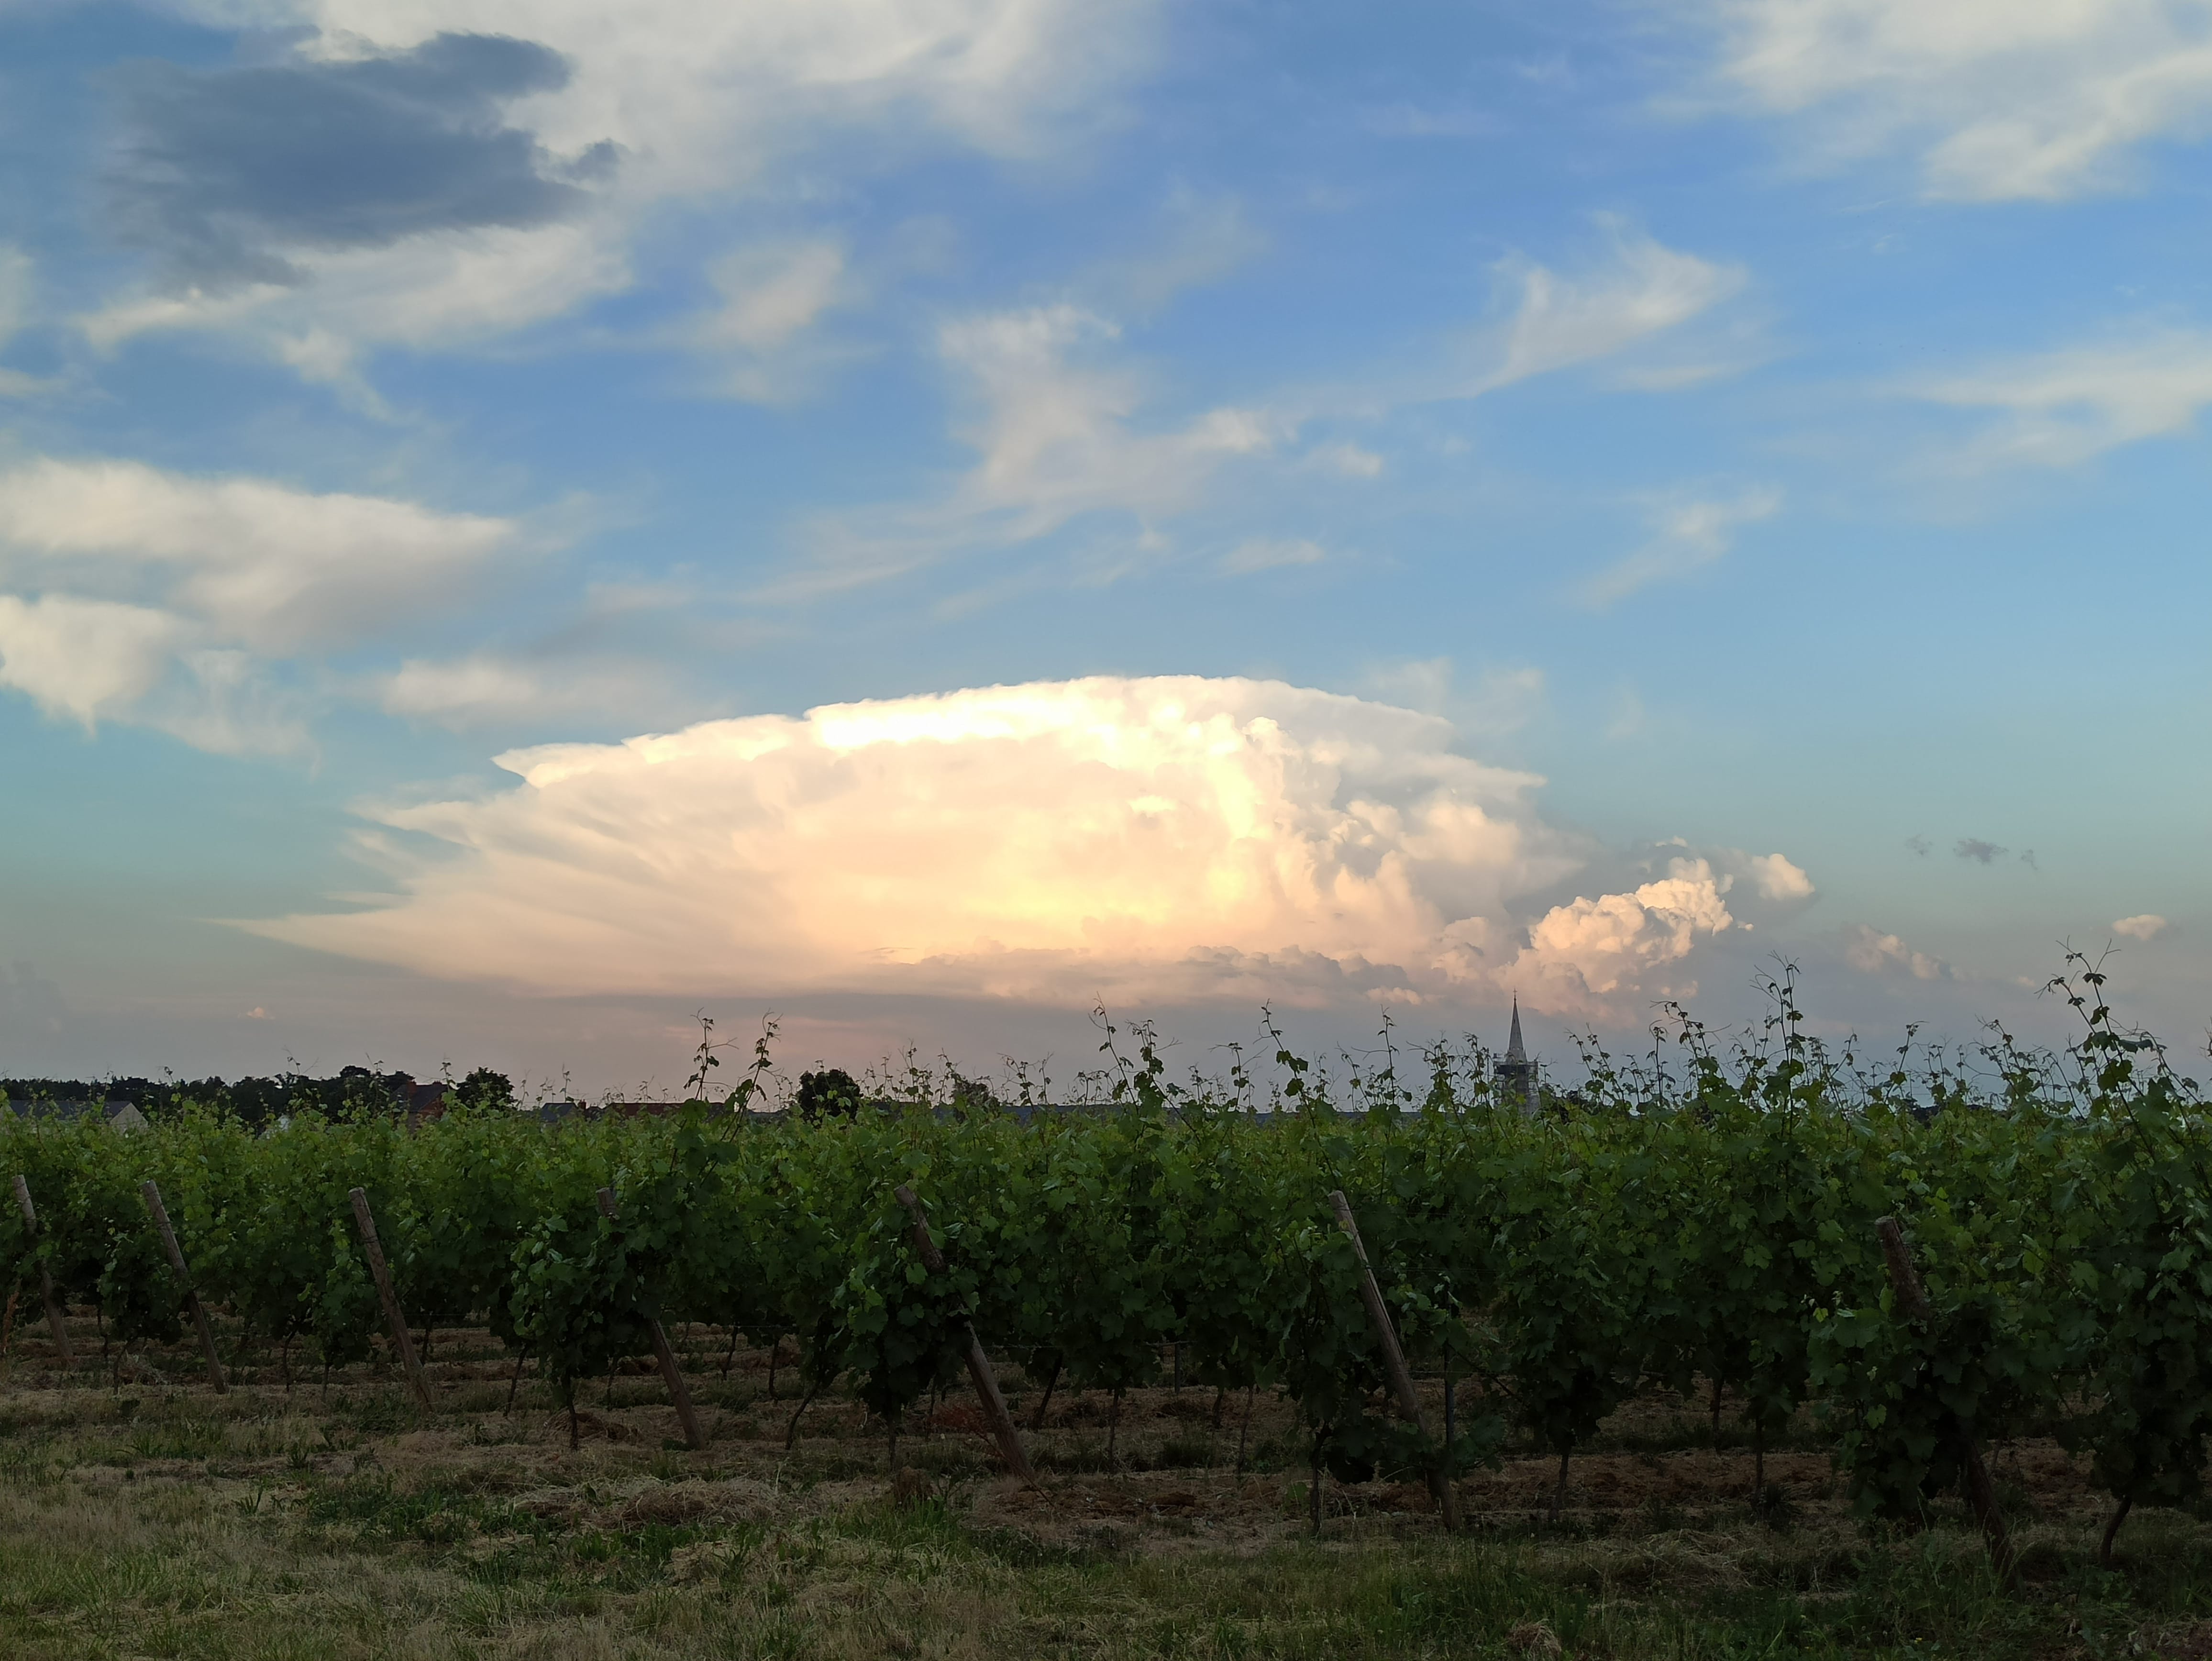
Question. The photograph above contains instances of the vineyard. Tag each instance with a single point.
(1721, 1231)
(1918, 1263)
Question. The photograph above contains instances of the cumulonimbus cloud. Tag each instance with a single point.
(1177, 837)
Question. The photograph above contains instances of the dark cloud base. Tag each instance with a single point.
(220, 171)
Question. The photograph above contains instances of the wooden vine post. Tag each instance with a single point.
(1393, 1360)
(54, 1322)
(1912, 1303)
(153, 1197)
(979, 1365)
(664, 1353)
(394, 1317)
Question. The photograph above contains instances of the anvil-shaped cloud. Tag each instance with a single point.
(1174, 838)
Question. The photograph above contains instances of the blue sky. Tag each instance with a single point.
(1572, 500)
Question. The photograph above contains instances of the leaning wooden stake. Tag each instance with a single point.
(394, 1317)
(1394, 1360)
(153, 1196)
(979, 1364)
(1912, 1303)
(54, 1323)
(664, 1353)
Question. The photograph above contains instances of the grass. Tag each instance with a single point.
(168, 1522)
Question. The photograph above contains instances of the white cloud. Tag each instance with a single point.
(764, 340)
(701, 98)
(1261, 554)
(1776, 878)
(165, 599)
(1999, 99)
(485, 688)
(228, 701)
(2061, 408)
(1644, 289)
(1054, 423)
(1872, 952)
(1588, 950)
(269, 567)
(464, 687)
(2147, 927)
(1178, 837)
(84, 659)
(704, 93)
(1199, 239)
(18, 290)
(1422, 683)
(15, 290)
(1053, 429)
(1689, 533)
(1346, 459)
(770, 294)
(428, 292)
(1056, 420)
(1501, 700)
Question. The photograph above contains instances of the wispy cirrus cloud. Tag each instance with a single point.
(1196, 239)
(17, 292)
(1995, 99)
(1256, 554)
(1689, 533)
(1058, 426)
(1062, 426)
(765, 341)
(1640, 289)
(2058, 408)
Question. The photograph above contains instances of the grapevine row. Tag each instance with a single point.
(1717, 1228)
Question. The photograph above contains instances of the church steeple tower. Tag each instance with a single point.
(1517, 1073)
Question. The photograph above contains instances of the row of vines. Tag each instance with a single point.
(1714, 1229)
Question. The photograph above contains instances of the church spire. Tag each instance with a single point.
(1517, 1073)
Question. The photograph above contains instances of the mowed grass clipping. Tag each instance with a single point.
(160, 1521)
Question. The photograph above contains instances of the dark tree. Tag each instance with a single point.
(830, 1094)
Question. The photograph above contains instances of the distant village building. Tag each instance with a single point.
(121, 1116)
(1517, 1073)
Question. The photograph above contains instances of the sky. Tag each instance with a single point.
(523, 525)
